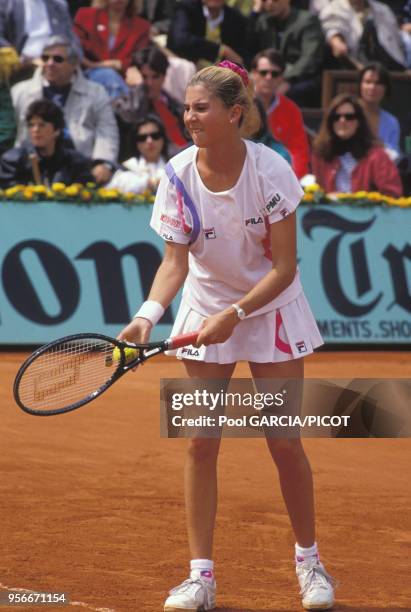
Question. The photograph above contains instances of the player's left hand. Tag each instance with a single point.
(217, 328)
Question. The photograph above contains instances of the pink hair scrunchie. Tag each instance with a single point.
(242, 72)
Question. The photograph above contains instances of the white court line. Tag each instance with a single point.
(80, 604)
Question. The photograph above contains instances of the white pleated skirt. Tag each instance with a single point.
(290, 332)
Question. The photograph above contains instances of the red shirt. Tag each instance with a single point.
(286, 123)
(375, 172)
(92, 27)
(170, 123)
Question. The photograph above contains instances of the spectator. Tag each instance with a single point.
(405, 18)
(8, 62)
(110, 32)
(297, 35)
(205, 31)
(284, 117)
(90, 121)
(150, 98)
(346, 157)
(245, 6)
(74, 6)
(45, 159)
(363, 31)
(179, 72)
(375, 85)
(145, 169)
(264, 136)
(159, 13)
(26, 25)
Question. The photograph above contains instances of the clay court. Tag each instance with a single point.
(91, 504)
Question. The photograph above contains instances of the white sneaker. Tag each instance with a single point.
(192, 595)
(317, 587)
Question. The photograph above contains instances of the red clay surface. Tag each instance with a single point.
(92, 504)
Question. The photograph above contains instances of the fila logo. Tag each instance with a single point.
(253, 221)
(273, 202)
(167, 236)
(190, 351)
(209, 233)
(300, 346)
(284, 213)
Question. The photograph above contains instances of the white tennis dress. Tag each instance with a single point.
(229, 252)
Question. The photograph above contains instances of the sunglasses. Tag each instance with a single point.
(346, 116)
(57, 59)
(152, 135)
(274, 73)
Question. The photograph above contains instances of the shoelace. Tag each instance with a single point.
(188, 585)
(315, 576)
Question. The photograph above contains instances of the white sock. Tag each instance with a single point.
(306, 554)
(204, 568)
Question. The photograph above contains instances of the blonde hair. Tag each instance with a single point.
(134, 7)
(231, 89)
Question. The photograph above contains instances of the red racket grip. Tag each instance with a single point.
(183, 340)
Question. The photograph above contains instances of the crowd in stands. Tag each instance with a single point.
(94, 90)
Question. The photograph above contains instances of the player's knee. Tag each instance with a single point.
(285, 451)
(202, 450)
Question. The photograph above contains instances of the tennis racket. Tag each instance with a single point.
(72, 371)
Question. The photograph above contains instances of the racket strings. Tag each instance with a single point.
(68, 373)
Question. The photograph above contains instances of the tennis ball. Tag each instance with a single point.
(130, 354)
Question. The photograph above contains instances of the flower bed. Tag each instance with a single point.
(76, 194)
(313, 194)
(92, 194)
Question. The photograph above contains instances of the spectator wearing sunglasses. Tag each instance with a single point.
(143, 171)
(150, 97)
(45, 158)
(298, 36)
(110, 31)
(27, 24)
(283, 115)
(347, 157)
(90, 122)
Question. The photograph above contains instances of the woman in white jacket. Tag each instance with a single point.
(143, 172)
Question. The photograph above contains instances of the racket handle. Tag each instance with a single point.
(183, 340)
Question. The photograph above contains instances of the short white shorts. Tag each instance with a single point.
(288, 333)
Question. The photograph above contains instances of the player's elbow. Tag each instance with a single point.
(286, 273)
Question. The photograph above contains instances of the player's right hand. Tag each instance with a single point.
(137, 331)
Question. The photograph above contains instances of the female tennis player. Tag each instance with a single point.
(226, 212)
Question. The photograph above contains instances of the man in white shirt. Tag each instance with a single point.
(27, 24)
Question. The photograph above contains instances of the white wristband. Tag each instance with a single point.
(150, 310)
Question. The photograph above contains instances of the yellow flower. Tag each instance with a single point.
(57, 187)
(403, 202)
(72, 190)
(39, 189)
(11, 191)
(312, 188)
(374, 196)
(360, 195)
(85, 194)
(308, 197)
(108, 193)
(129, 196)
(28, 194)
